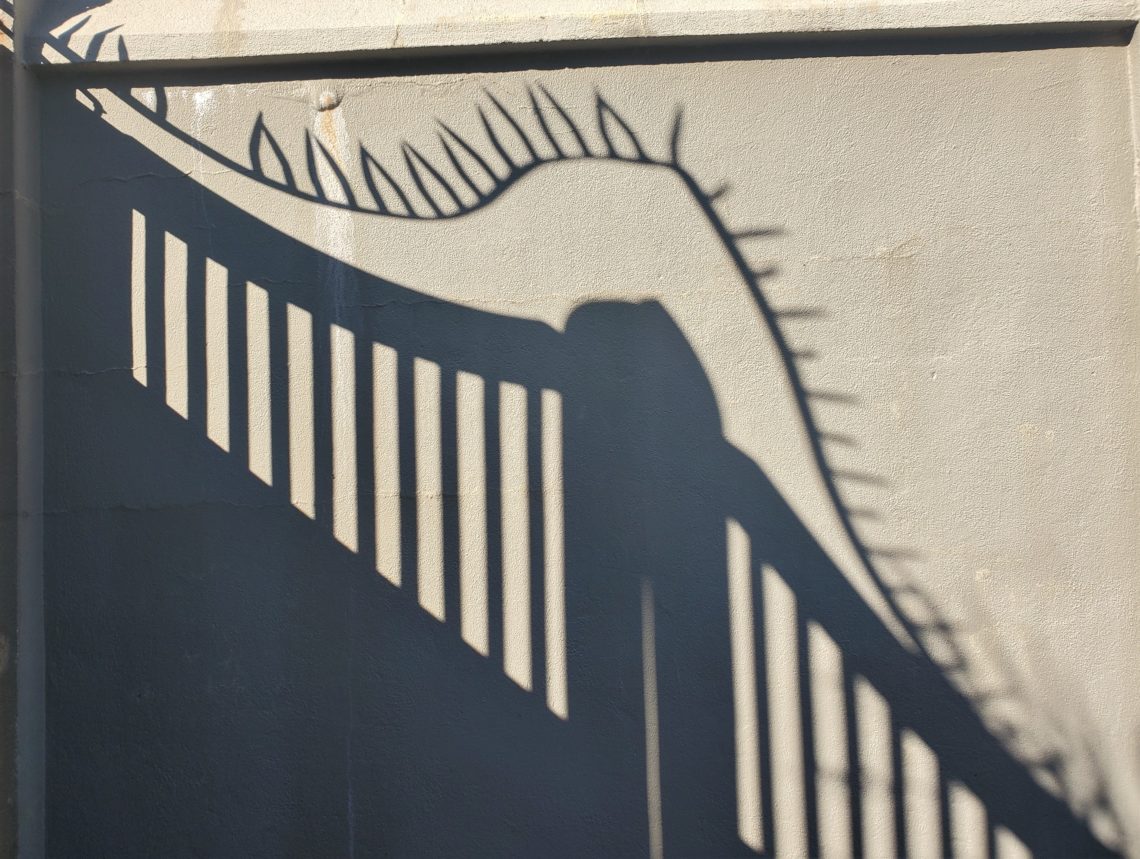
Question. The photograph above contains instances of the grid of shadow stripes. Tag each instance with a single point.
(419, 464)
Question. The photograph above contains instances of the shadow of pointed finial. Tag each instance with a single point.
(459, 169)
(96, 43)
(493, 138)
(543, 124)
(262, 135)
(369, 166)
(570, 124)
(462, 143)
(675, 137)
(338, 173)
(718, 192)
(513, 123)
(65, 35)
(412, 158)
(619, 138)
(311, 164)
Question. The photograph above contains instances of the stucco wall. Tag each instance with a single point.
(671, 451)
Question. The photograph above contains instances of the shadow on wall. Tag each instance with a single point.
(440, 581)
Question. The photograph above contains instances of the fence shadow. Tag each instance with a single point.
(399, 576)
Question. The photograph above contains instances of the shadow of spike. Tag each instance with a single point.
(460, 170)
(894, 554)
(804, 354)
(541, 117)
(606, 115)
(758, 233)
(341, 179)
(534, 156)
(418, 181)
(489, 129)
(311, 165)
(834, 397)
(717, 192)
(65, 35)
(840, 439)
(411, 156)
(369, 166)
(797, 313)
(261, 134)
(461, 142)
(863, 477)
(573, 126)
(675, 137)
(96, 43)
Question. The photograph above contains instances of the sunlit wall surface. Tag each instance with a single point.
(693, 453)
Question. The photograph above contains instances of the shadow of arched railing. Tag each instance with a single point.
(561, 504)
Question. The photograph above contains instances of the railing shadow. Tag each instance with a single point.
(402, 576)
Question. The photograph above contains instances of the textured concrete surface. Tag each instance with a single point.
(483, 501)
(224, 30)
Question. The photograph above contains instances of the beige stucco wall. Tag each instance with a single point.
(763, 479)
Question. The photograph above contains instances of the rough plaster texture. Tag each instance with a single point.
(502, 531)
(225, 30)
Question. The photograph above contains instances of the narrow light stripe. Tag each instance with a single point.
(516, 534)
(786, 732)
(217, 355)
(1009, 846)
(342, 355)
(174, 313)
(554, 576)
(746, 722)
(386, 460)
(920, 779)
(429, 488)
(257, 353)
(138, 296)
(472, 468)
(968, 822)
(873, 719)
(829, 725)
(302, 479)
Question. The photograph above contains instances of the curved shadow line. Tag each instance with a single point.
(605, 112)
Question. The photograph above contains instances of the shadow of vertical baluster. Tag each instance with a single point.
(807, 736)
(554, 552)
(449, 468)
(471, 504)
(155, 266)
(322, 416)
(279, 394)
(365, 449)
(258, 390)
(196, 338)
(947, 833)
(385, 454)
(763, 721)
(238, 368)
(854, 768)
(494, 478)
(406, 416)
(537, 541)
(899, 789)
